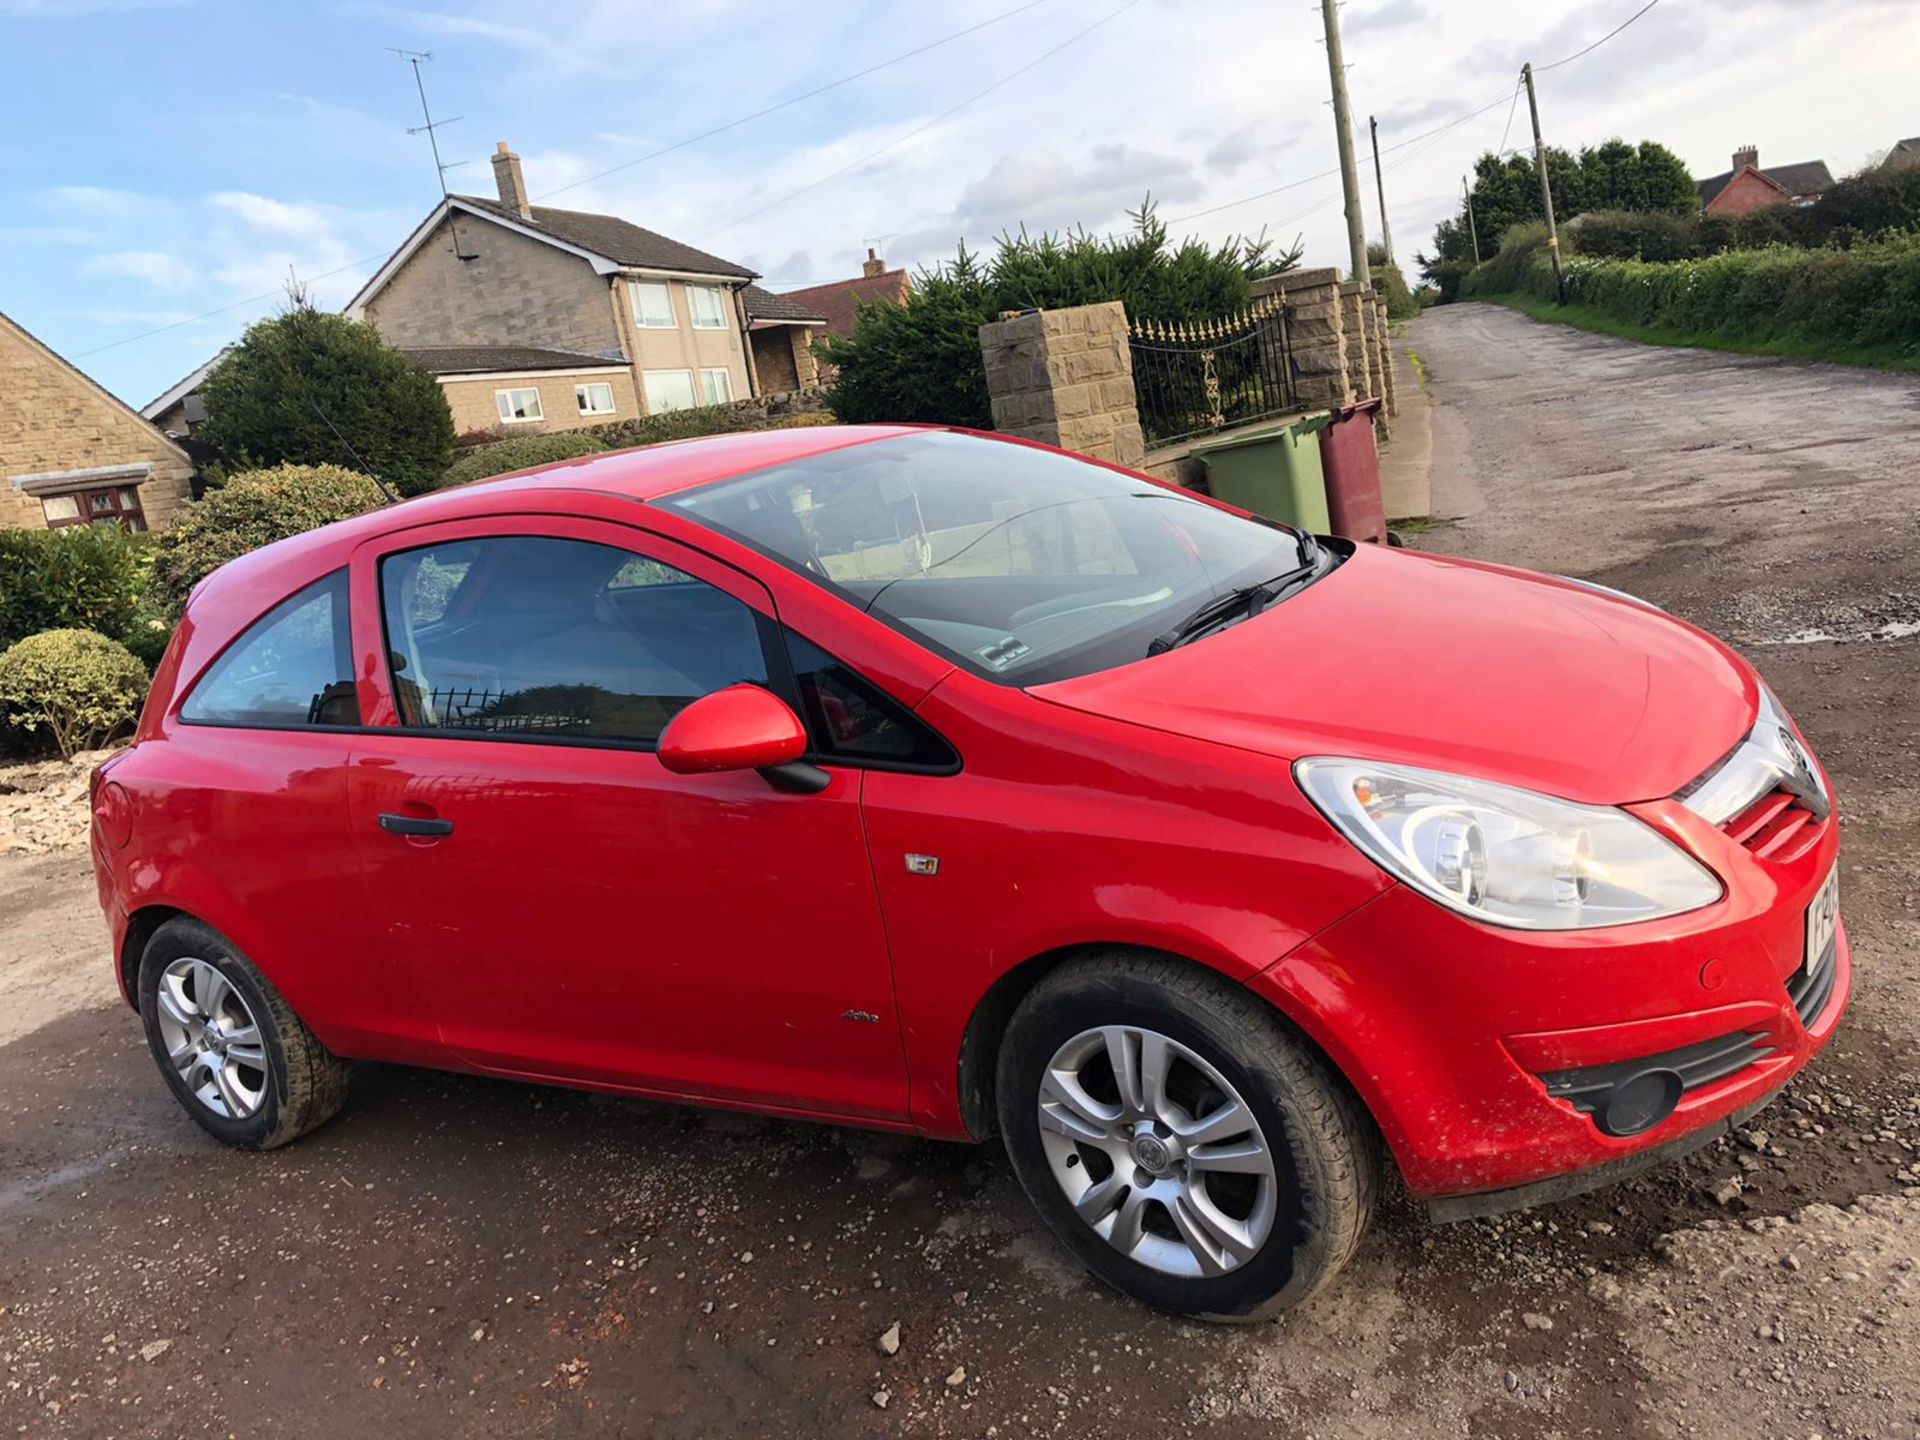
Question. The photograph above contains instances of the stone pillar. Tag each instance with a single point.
(1065, 377)
(1386, 356)
(1376, 321)
(1353, 315)
(1316, 331)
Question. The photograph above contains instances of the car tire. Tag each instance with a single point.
(250, 1073)
(1196, 1237)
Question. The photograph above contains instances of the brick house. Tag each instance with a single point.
(553, 319)
(836, 301)
(1747, 188)
(73, 454)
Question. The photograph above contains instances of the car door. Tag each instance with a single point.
(573, 910)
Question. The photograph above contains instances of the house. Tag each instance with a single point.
(835, 303)
(780, 329)
(553, 319)
(73, 454)
(1905, 155)
(178, 408)
(1747, 188)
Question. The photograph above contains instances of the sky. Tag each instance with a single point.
(162, 159)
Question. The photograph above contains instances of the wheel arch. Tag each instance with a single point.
(141, 927)
(980, 1045)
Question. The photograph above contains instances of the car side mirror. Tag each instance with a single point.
(742, 727)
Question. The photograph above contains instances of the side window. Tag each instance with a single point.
(855, 720)
(292, 666)
(532, 636)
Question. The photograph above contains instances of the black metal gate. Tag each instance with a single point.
(1192, 378)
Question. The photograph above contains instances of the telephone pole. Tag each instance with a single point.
(1473, 230)
(1343, 129)
(1380, 184)
(1546, 190)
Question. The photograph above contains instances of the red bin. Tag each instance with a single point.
(1351, 462)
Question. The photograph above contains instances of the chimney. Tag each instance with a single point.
(1746, 155)
(512, 184)
(874, 265)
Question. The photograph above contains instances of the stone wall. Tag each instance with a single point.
(783, 359)
(54, 420)
(1065, 377)
(1317, 332)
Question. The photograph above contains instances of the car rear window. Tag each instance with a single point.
(293, 667)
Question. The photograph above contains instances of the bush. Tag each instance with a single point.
(1391, 285)
(251, 510)
(520, 452)
(1636, 235)
(729, 419)
(76, 685)
(77, 577)
(312, 388)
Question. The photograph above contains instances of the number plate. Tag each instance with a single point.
(1823, 921)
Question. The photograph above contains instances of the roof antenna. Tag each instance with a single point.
(440, 167)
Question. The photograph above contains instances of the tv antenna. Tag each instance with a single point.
(429, 127)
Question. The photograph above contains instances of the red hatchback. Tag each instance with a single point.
(955, 785)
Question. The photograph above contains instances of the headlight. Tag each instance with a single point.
(1509, 857)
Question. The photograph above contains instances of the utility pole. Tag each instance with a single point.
(1343, 129)
(1546, 190)
(1380, 184)
(1473, 230)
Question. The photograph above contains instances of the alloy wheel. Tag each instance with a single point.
(1157, 1152)
(213, 1040)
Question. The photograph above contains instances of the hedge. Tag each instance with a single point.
(520, 452)
(77, 577)
(1866, 297)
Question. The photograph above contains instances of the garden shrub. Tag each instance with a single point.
(520, 452)
(79, 576)
(253, 509)
(77, 686)
(728, 419)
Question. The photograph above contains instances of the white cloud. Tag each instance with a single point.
(155, 267)
(277, 217)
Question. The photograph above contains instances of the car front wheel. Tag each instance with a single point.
(1187, 1146)
(230, 1048)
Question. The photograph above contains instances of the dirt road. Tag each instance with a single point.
(464, 1257)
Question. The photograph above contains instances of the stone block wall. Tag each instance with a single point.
(1317, 331)
(1065, 377)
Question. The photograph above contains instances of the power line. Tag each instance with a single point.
(925, 126)
(1507, 129)
(784, 104)
(1541, 69)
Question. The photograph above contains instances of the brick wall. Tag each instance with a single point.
(54, 418)
(1066, 377)
(517, 292)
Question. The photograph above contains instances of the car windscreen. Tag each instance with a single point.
(1024, 564)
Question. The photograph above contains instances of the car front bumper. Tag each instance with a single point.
(1481, 1051)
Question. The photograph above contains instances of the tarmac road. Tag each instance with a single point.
(460, 1257)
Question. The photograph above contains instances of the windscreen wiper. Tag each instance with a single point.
(1242, 603)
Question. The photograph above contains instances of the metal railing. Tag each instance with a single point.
(1194, 377)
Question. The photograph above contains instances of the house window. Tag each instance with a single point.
(668, 390)
(117, 505)
(594, 399)
(652, 304)
(717, 386)
(709, 307)
(519, 407)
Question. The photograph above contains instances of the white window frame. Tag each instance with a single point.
(719, 320)
(693, 390)
(707, 372)
(580, 397)
(503, 404)
(634, 289)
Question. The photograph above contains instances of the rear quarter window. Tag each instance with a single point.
(293, 667)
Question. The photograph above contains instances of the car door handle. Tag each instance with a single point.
(414, 825)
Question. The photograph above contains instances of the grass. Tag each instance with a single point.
(1588, 317)
(1420, 370)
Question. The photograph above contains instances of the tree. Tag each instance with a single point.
(313, 388)
(920, 361)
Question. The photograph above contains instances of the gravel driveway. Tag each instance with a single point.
(466, 1257)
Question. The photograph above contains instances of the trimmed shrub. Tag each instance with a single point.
(779, 412)
(313, 388)
(250, 510)
(77, 577)
(520, 452)
(77, 686)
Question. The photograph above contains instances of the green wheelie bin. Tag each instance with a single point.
(1274, 472)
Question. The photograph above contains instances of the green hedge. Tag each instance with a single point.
(520, 452)
(1863, 298)
(82, 577)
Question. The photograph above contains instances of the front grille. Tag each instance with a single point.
(1810, 990)
(1587, 1088)
(1777, 826)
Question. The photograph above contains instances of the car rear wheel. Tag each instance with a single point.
(1188, 1148)
(236, 1057)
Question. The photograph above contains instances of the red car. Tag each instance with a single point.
(954, 785)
